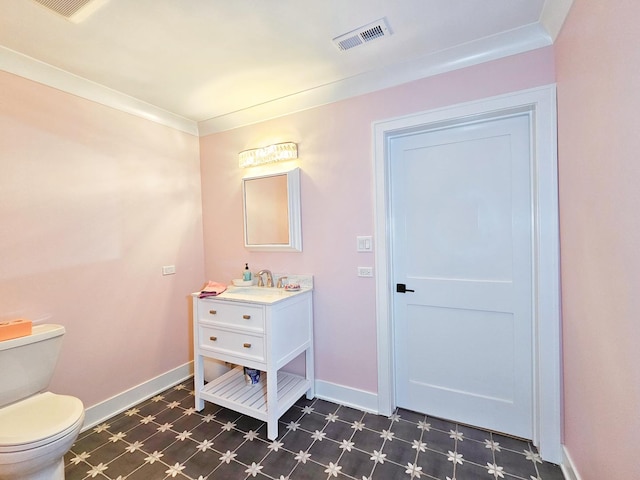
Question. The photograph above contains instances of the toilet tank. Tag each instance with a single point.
(27, 363)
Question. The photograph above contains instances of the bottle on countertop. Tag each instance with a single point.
(246, 275)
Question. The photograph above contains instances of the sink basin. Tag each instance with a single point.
(257, 294)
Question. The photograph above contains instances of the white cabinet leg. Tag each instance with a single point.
(309, 373)
(198, 381)
(272, 404)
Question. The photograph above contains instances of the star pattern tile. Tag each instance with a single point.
(165, 438)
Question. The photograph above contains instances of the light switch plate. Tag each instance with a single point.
(168, 270)
(364, 243)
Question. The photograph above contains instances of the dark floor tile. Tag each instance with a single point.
(123, 423)
(159, 441)
(367, 440)
(186, 422)
(399, 452)
(188, 402)
(148, 471)
(201, 463)
(349, 415)
(224, 415)
(308, 471)
(435, 464)
(410, 416)
(107, 452)
(376, 422)
(252, 451)
(278, 463)
(206, 431)
(179, 451)
(228, 440)
(439, 441)
(475, 452)
(470, 471)
(151, 407)
(91, 442)
(246, 423)
(168, 415)
(549, 471)
(209, 409)
(175, 395)
(406, 431)
(324, 407)
(355, 463)
(325, 451)
(312, 422)
(338, 430)
(126, 463)
(141, 432)
(474, 433)
(440, 424)
(297, 440)
(390, 471)
(228, 471)
(304, 402)
(291, 415)
(515, 463)
(510, 442)
(76, 471)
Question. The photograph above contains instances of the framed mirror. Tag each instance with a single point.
(271, 206)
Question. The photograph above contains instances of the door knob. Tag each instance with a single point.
(402, 288)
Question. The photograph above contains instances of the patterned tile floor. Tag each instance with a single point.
(165, 438)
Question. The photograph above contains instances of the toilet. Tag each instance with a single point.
(37, 427)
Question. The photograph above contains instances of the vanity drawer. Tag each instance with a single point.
(234, 343)
(236, 316)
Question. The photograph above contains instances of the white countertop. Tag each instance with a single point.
(261, 295)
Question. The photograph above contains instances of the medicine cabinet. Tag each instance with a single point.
(271, 207)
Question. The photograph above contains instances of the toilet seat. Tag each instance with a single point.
(38, 420)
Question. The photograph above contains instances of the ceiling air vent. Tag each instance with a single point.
(360, 36)
(69, 8)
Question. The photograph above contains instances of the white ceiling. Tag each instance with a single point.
(218, 64)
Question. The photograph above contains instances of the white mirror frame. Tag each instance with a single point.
(294, 220)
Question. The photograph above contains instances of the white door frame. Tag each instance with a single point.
(540, 104)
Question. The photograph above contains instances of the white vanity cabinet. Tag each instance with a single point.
(263, 333)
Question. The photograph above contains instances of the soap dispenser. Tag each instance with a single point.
(246, 275)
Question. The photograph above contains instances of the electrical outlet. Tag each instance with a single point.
(365, 271)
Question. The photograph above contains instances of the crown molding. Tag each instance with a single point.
(520, 40)
(32, 69)
(554, 13)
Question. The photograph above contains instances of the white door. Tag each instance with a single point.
(461, 210)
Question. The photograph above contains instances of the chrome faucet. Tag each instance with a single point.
(269, 278)
(281, 282)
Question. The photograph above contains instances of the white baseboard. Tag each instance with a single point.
(350, 397)
(123, 401)
(568, 468)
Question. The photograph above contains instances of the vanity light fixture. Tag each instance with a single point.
(278, 152)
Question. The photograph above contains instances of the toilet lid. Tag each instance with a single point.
(38, 418)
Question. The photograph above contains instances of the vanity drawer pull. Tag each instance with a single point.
(213, 339)
(246, 317)
(247, 345)
(213, 312)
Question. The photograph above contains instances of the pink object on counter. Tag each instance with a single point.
(211, 289)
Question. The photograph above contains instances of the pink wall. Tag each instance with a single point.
(93, 202)
(337, 200)
(598, 73)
